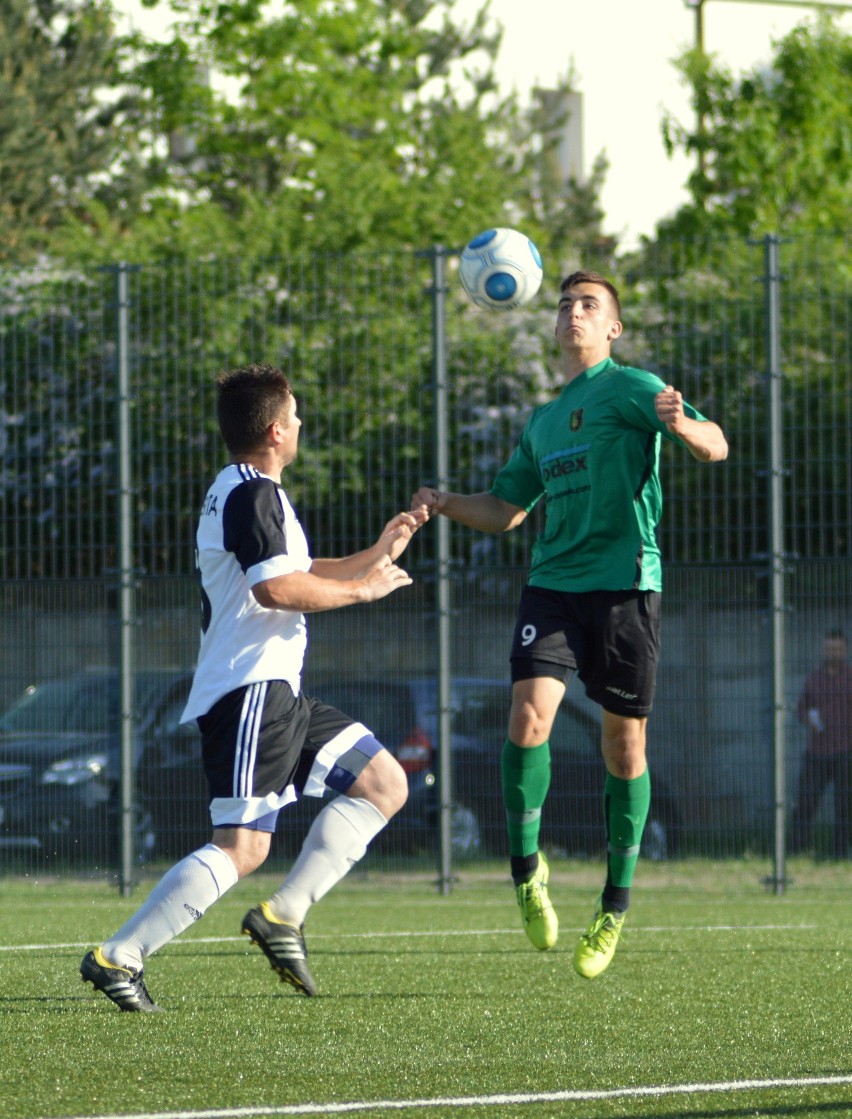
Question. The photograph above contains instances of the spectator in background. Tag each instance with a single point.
(825, 707)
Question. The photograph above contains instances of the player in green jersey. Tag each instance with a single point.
(591, 604)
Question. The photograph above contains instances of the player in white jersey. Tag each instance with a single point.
(264, 743)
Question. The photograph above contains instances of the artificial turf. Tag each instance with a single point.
(427, 997)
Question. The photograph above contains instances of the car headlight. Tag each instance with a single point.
(74, 771)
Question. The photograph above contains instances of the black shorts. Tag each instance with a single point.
(263, 747)
(611, 639)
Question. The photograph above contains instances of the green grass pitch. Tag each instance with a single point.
(723, 1000)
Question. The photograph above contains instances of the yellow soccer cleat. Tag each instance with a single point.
(597, 945)
(540, 921)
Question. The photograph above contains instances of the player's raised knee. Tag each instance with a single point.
(384, 783)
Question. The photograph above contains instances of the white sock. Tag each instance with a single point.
(182, 896)
(337, 839)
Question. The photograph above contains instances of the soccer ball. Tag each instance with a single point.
(500, 269)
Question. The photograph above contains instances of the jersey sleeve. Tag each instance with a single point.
(519, 482)
(636, 403)
(254, 530)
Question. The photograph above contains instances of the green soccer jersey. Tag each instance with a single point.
(593, 454)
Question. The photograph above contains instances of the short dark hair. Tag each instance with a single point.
(835, 635)
(592, 278)
(250, 399)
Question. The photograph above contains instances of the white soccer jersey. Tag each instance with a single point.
(247, 532)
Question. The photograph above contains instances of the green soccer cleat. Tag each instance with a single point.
(540, 921)
(597, 945)
(283, 945)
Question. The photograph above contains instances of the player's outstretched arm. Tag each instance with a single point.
(704, 439)
(397, 533)
(483, 511)
(307, 593)
(391, 543)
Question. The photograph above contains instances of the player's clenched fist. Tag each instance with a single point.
(669, 406)
(429, 500)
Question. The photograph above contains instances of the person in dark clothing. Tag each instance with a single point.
(825, 707)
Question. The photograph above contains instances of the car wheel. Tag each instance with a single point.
(60, 840)
(655, 840)
(465, 832)
(146, 836)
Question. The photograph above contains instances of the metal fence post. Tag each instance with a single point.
(442, 573)
(777, 553)
(127, 583)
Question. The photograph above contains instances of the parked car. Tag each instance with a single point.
(60, 761)
(60, 768)
(572, 819)
(403, 713)
(172, 781)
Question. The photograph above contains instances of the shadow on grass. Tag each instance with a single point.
(62, 1003)
(324, 952)
(840, 1107)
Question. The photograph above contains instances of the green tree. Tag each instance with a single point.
(60, 127)
(350, 136)
(776, 143)
(327, 126)
(338, 125)
(698, 308)
(776, 169)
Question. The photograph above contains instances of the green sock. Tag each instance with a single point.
(526, 779)
(626, 805)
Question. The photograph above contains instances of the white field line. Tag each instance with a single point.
(188, 941)
(568, 1096)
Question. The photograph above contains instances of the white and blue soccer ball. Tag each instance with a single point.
(500, 269)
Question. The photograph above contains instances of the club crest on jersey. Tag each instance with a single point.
(576, 420)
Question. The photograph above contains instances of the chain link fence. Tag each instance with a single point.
(108, 441)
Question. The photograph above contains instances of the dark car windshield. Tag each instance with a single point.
(78, 704)
(479, 709)
(387, 709)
